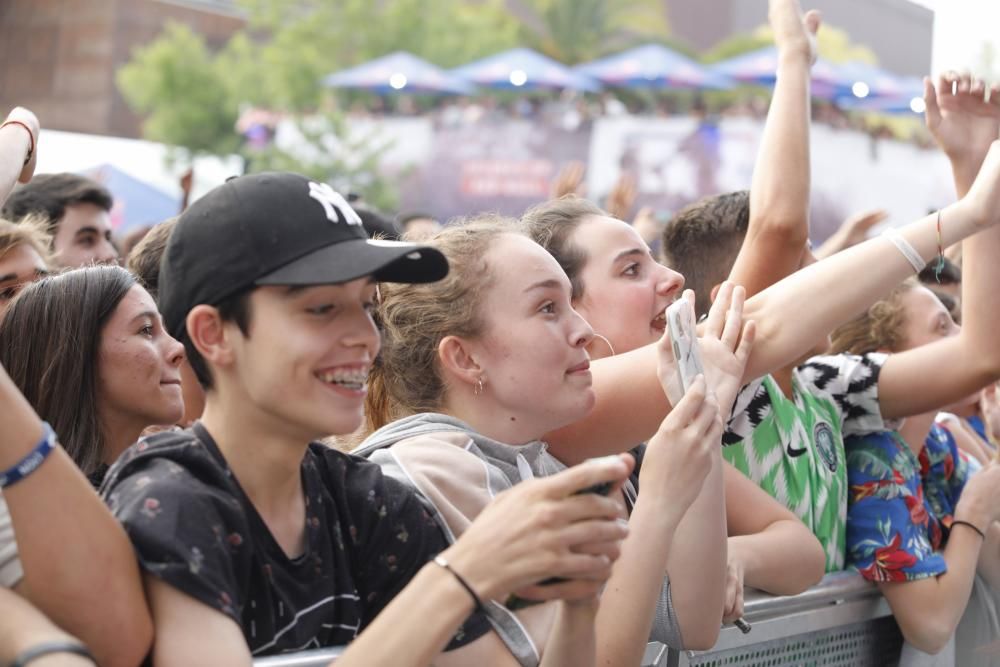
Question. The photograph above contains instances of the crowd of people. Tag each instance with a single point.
(530, 481)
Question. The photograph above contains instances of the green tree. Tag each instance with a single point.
(191, 100)
(575, 31)
(176, 84)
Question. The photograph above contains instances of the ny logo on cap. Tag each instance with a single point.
(333, 202)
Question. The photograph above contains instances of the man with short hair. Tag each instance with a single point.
(77, 210)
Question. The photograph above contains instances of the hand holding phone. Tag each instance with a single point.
(684, 343)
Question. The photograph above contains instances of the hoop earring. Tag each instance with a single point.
(480, 387)
(606, 342)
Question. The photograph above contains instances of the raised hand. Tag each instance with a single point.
(545, 528)
(621, 199)
(983, 198)
(963, 121)
(853, 231)
(794, 33)
(22, 115)
(569, 181)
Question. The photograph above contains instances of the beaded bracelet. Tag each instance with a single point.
(32, 460)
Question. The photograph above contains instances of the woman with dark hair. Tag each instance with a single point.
(104, 341)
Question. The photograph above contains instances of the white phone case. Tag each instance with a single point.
(684, 338)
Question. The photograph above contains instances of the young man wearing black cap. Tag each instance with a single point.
(252, 540)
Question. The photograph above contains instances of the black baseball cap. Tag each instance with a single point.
(276, 228)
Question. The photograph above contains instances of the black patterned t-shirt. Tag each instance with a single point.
(194, 528)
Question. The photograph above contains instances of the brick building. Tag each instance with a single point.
(59, 57)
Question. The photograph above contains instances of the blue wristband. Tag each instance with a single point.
(32, 461)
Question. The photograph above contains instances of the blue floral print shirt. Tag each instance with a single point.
(901, 505)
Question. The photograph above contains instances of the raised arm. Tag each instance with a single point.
(791, 317)
(75, 556)
(965, 125)
(779, 192)
(18, 149)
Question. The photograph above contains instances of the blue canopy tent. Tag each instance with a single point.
(870, 81)
(523, 69)
(760, 68)
(136, 202)
(653, 66)
(905, 95)
(399, 72)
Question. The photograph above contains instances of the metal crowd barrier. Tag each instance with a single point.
(842, 621)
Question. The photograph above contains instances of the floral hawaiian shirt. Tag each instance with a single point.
(900, 505)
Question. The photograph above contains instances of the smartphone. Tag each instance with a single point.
(684, 339)
(514, 602)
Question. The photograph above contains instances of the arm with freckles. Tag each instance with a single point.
(779, 192)
(629, 405)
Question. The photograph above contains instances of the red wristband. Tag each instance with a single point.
(31, 137)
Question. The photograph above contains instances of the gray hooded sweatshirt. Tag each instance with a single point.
(460, 471)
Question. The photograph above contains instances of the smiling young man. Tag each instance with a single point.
(252, 540)
(77, 212)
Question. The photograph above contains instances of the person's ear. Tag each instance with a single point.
(458, 361)
(206, 331)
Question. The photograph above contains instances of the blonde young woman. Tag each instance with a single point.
(477, 368)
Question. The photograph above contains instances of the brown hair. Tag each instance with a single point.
(878, 328)
(57, 372)
(48, 195)
(144, 259)
(551, 225)
(702, 241)
(29, 231)
(406, 377)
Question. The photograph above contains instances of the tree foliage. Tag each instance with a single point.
(176, 84)
(575, 31)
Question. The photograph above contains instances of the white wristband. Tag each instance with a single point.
(909, 252)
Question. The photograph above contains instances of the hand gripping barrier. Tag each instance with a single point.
(843, 620)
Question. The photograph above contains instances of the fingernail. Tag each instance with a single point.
(605, 460)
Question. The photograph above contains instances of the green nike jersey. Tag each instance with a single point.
(793, 448)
